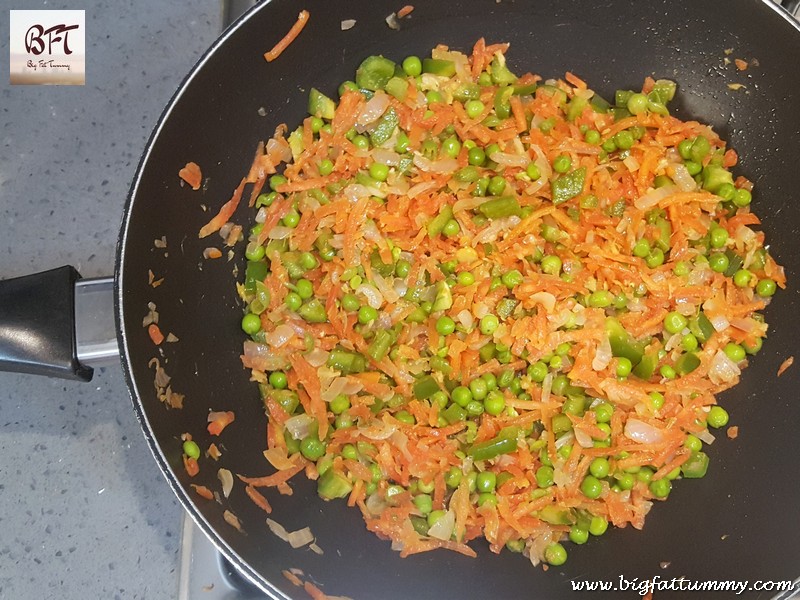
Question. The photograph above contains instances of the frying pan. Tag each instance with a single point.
(739, 523)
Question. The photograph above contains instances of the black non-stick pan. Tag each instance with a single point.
(739, 523)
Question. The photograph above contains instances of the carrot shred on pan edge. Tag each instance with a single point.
(596, 246)
(276, 51)
(785, 365)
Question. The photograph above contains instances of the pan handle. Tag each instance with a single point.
(54, 323)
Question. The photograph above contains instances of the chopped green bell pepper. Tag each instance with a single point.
(568, 185)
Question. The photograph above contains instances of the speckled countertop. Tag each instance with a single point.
(84, 510)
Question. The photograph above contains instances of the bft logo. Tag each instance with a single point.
(35, 41)
(47, 47)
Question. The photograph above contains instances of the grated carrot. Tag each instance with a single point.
(290, 36)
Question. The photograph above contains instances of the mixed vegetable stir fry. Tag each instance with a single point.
(484, 304)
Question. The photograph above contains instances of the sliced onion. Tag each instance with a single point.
(372, 111)
(400, 441)
(509, 160)
(541, 161)
(277, 457)
(261, 215)
(373, 297)
(299, 426)
(468, 203)
(385, 288)
(375, 504)
(389, 158)
(421, 188)
(722, 369)
(706, 436)
(443, 528)
(642, 432)
(681, 176)
(280, 335)
(261, 357)
(547, 386)
(226, 479)
(567, 438)
(378, 430)
(279, 148)
(301, 537)
(720, 322)
(465, 318)
(355, 191)
(602, 356)
(654, 196)
(443, 165)
(317, 357)
(546, 299)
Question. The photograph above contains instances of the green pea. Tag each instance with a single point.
(487, 498)
(453, 477)
(624, 140)
(305, 289)
(551, 264)
(495, 403)
(578, 535)
(668, 372)
(293, 301)
(402, 268)
(655, 258)
(766, 287)
(742, 278)
(277, 379)
(624, 366)
(591, 487)
(361, 142)
(367, 314)
(465, 278)
(511, 279)
(626, 481)
(598, 525)
(191, 449)
(603, 412)
(538, 371)
(742, 197)
(378, 171)
(478, 388)
(412, 66)
(735, 352)
(726, 191)
(718, 262)
(489, 324)
(497, 185)
(405, 417)
(532, 171)
(609, 145)
(599, 467)
(544, 476)
(752, 347)
(685, 149)
(693, 167)
(339, 404)
(637, 104)
(681, 268)
(254, 251)
(424, 503)
(592, 136)
(474, 108)
(434, 97)
(641, 248)
(312, 448)
(350, 303)
(600, 299)
(555, 554)
(251, 324)
(562, 163)
(661, 487)
(349, 452)
(291, 219)
(657, 400)
(275, 181)
(718, 237)
(461, 396)
(401, 143)
(689, 342)
(693, 443)
(435, 516)
(675, 322)
(486, 481)
(445, 325)
(325, 167)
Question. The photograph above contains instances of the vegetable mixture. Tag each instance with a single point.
(481, 304)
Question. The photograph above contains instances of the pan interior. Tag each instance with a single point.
(735, 524)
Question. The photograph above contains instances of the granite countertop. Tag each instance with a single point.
(84, 510)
